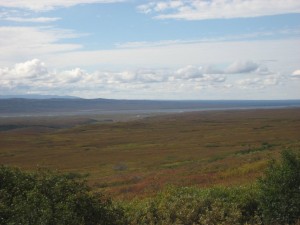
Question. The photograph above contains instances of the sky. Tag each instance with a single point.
(145, 49)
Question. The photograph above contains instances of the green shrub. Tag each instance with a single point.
(280, 190)
(192, 206)
(49, 198)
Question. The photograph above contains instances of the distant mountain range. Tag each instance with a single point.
(66, 105)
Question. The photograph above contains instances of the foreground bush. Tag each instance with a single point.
(280, 190)
(191, 206)
(48, 198)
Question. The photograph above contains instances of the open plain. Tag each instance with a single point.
(134, 156)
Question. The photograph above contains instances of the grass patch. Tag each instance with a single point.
(212, 145)
(216, 158)
(263, 147)
(175, 164)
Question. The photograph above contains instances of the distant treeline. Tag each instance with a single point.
(52, 198)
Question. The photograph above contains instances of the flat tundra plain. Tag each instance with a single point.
(138, 157)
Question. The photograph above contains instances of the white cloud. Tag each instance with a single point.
(56, 48)
(296, 74)
(20, 16)
(189, 72)
(160, 6)
(34, 76)
(263, 70)
(28, 73)
(213, 78)
(31, 20)
(272, 80)
(242, 67)
(43, 5)
(71, 76)
(260, 82)
(152, 76)
(244, 36)
(249, 82)
(188, 82)
(30, 69)
(215, 9)
(238, 67)
(20, 43)
(248, 66)
(143, 44)
(211, 69)
(285, 52)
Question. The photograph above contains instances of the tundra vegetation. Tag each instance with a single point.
(191, 168)
(48, 198)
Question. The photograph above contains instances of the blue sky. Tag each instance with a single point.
(180, 49)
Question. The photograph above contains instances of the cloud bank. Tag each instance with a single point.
(34, 77)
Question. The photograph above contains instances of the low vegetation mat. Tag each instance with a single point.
(51, 198)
